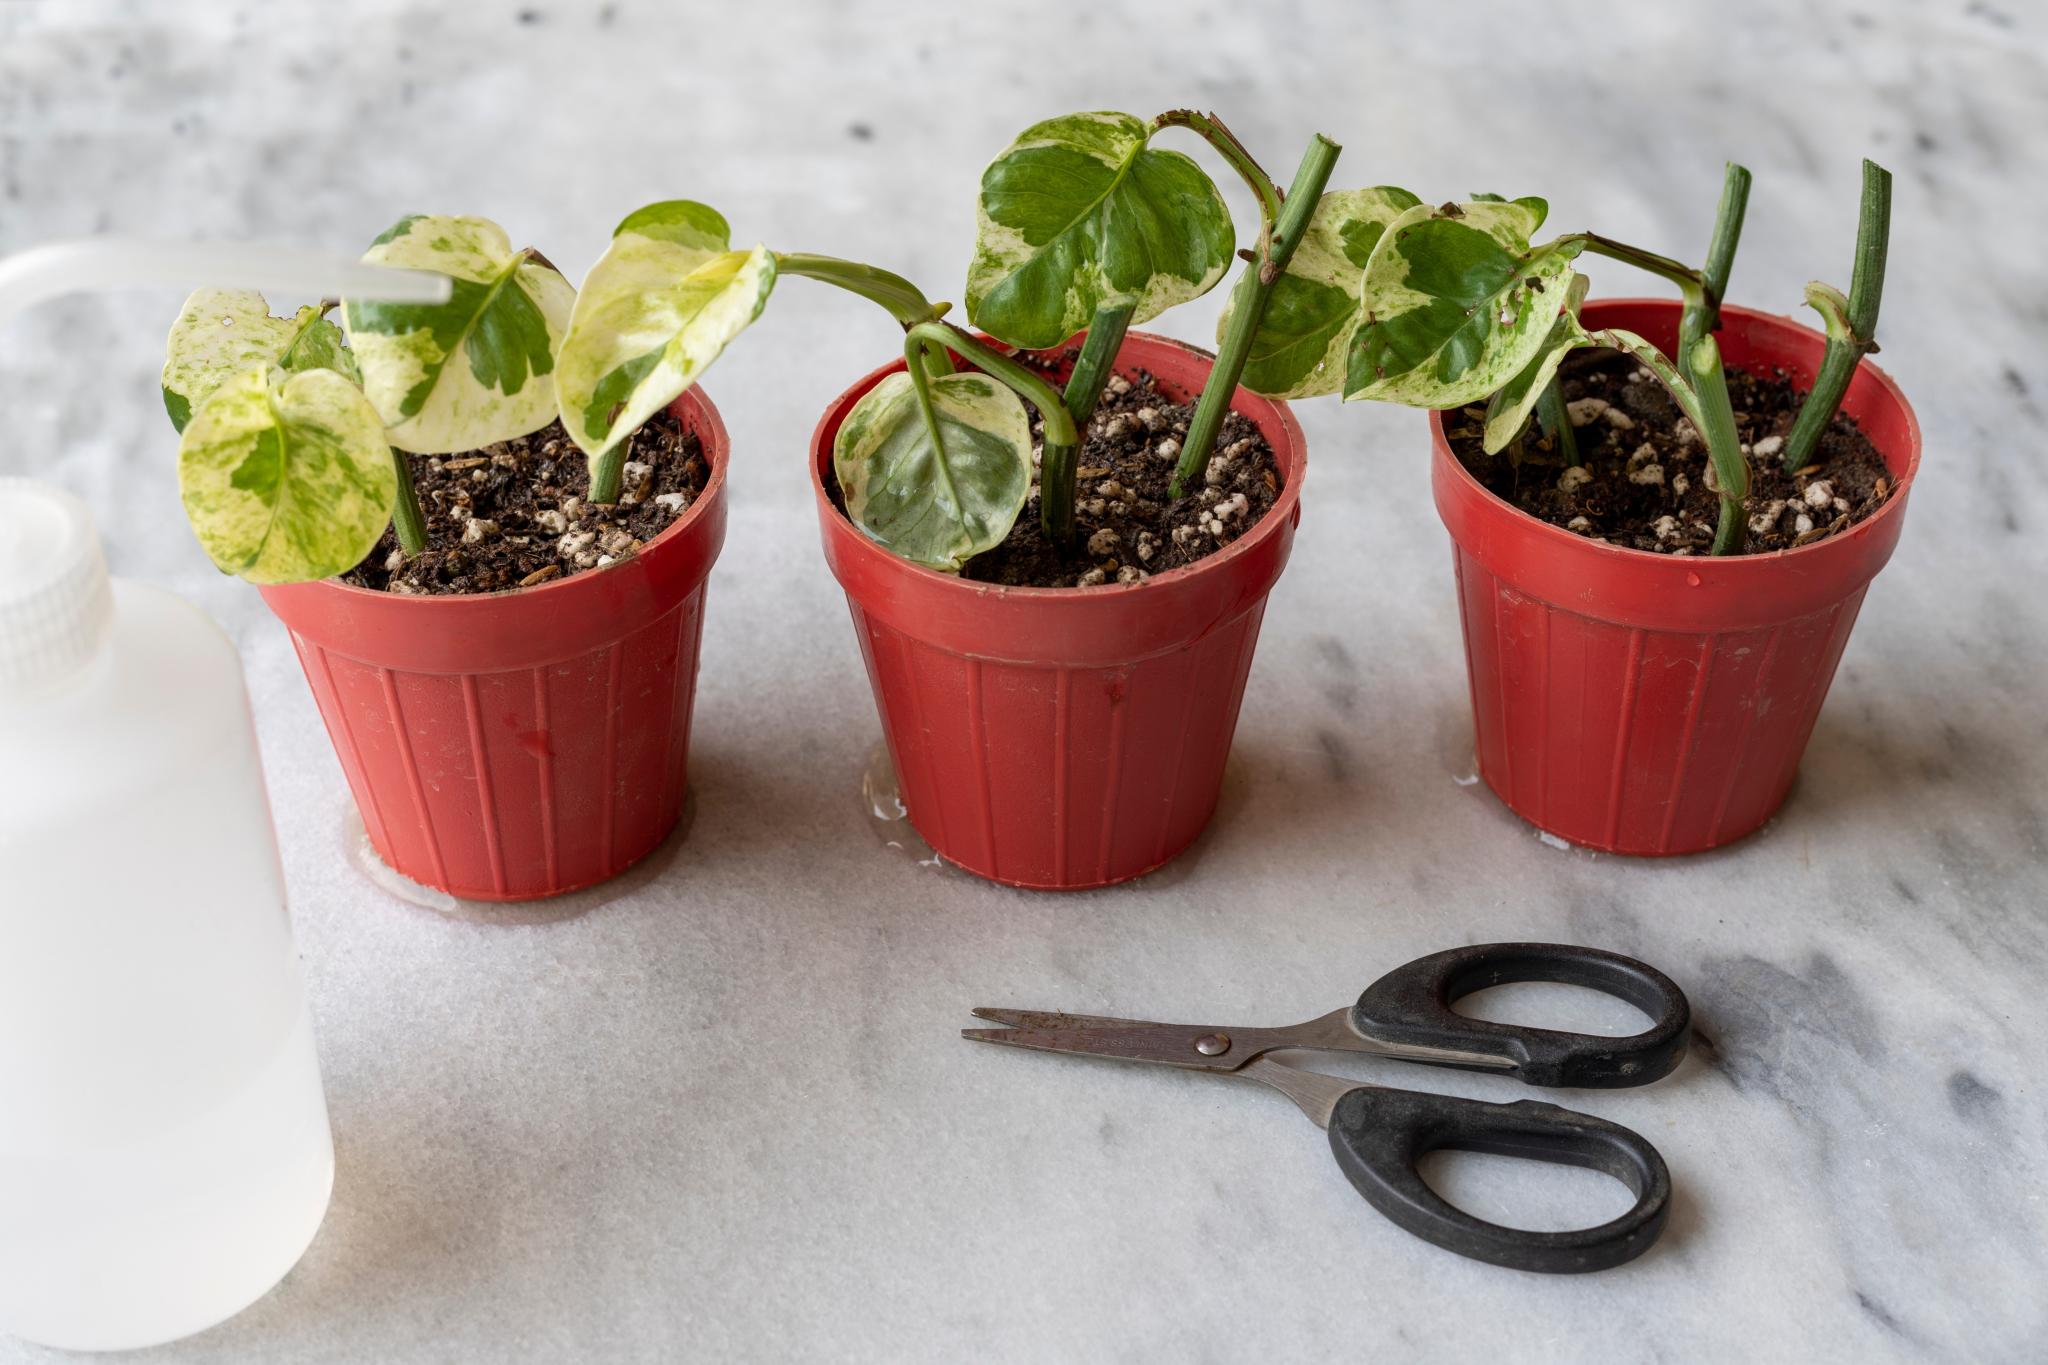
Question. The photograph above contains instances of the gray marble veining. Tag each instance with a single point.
(726, 1117)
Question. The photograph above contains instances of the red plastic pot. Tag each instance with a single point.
(512, 745)
(1063, 738)
(1640, 703)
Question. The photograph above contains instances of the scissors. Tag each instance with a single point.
(1379, 1134)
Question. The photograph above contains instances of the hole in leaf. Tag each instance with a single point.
(1554, 1005)
(1534, 1196)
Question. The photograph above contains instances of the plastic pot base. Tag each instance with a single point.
(361, 853)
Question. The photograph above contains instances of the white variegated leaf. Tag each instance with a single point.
(1456, 303)
(286, 477)
(1079, 214)
(1507, 412)
(1313, 308)
(222, 332)
(935, 502)
(666, 298)
(476, 369)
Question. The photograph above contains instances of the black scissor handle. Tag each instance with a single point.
(1380, 1135)
(1411, 1005)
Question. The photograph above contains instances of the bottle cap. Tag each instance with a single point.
(56, 607)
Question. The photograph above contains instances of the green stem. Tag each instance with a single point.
(1731, 470)
(1690, 285)
(904, 301)
(406, 518)
(1213, 130)
(1704, 315)
(606, 470)
(1248, 308)
(1714, 420)
(1846, 350)
(1097, 361)
(1058, 441)
(1557, 423)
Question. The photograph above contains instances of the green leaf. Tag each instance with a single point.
(1457, 302)
(1509, 408)
(286, 477)
(222, 332)
(663, 302)
(936, 485)
(1299, 349)
(1078, 214)
(476, 369)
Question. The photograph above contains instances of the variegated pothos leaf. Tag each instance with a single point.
(937, 503)
(286, 477)
(1833, 306)
(655, 311)
(1300, 347)
(222, 332)
(1078, 214)
(1456, 303)
(1507, 412)
(476, 369)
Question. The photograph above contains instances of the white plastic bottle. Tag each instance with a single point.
(164, 1151)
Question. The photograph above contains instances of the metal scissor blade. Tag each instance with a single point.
(1056, 1019)
(1130, 1040)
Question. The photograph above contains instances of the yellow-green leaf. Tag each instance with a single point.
(1299, 349)
(1507, 412)
(663, 302)
(222, 332)
(476, 369)
(1456, 302)
(937, 484)
(286, 477)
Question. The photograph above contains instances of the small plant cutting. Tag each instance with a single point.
(292, 445)
(1457, 306)
(1640, 703)
(1084, 227)
(501, 745)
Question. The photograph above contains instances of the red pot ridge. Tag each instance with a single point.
(1064, 738)
(512, 745)
(1650, 704)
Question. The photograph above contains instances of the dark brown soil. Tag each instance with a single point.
(1127, 529)
(512, 515)
(1649, 489)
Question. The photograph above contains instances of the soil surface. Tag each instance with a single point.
(1126, 528)
(1642, 480)
(513, 515)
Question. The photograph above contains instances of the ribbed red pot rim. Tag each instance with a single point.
(1769, 560)
(1244, 401)
(699, 417)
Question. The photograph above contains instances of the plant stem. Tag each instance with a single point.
(1731, 470)
(1213, 130)
(1248, 308)
(1097, 361)
(1690, 285)
(1704, 316)
(904, 301)
(1715, 421)
(1058, 437)
(407, 520)
(1847, 348)
(1557, 423)
(606, 471)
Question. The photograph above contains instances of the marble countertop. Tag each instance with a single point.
(725, 1115)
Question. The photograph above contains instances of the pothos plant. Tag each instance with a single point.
(293, 431)
(1083, 226)
(1445, 306)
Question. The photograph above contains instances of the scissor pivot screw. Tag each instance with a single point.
(1212, 1044)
